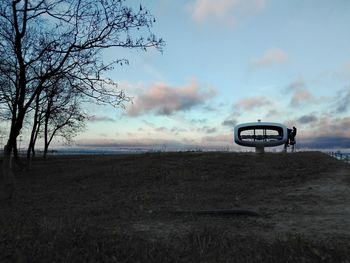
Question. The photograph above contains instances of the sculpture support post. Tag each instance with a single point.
(259, 149)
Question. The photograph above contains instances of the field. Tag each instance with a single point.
(146, 208)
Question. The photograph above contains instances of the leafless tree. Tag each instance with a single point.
(63, 115)
(42, 39)
(56, 113)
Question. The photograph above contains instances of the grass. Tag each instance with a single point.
(116, 209)
(77, 243)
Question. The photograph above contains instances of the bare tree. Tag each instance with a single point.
(63, 115)
(56, 113)
(41, 39)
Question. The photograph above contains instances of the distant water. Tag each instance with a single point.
(100, 151)
(123, 150)
(92, 151)
(340, 155)
(153, 149)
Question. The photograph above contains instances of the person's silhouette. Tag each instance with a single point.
(291, 138)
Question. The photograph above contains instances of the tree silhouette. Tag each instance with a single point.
(43, 39)
(57, 112)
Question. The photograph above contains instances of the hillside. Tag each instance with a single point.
(116, 208)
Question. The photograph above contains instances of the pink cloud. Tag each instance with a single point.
(329, 126)
(223, 11)
(301, 97)
(273, 56)
(165, 100)
(252, 103)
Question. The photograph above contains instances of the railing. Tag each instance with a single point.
(261, 137)
(340, 156)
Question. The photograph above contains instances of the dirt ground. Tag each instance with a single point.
(304, 192)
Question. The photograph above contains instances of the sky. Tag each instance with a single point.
(233, 61)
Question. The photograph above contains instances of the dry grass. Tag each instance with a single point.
(117, 209)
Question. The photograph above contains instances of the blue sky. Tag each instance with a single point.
(232, 61)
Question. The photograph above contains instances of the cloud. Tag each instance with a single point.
(177, 130)
(245, 105)
(161, 129)
(324, 132)
(223, 11)
(326, 142)
(273, 113)
(301, 97)
(271, 57)
(165, 100)
(218, 140)
(210, 130)
(343, 71)
(149, 124)
(210, 108)
(200, 121)
(207, 129)
(328, 126)
(296, 85)
(141, 142)
(253, 103)
(100, 119)
(306, 119)
(229, 122)
(335, 126)
(343, 102)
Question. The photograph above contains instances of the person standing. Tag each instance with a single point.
(292, 138)
(291, 133)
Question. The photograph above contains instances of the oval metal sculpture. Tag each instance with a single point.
(260, 135)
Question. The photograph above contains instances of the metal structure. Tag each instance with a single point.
(260, 135)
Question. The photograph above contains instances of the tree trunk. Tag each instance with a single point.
(31, 142)
(15, 152)
(8, 185)
(35, 130)
(34, 141)
(8, 179)
(46, 140)
(30, 150)
(45, 151)
(46, 124)
(46, 146)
